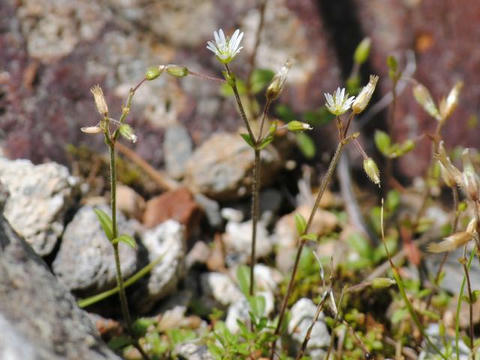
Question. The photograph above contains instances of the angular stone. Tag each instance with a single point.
(221, 167)
(39, 199)
(85, 261)
(167, 241)
(178, 205)
(220, 287)
(39, 318)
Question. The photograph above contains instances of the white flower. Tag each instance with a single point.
(225, 48)
(339, 102)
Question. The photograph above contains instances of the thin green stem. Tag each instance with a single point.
(323, 186)
(113, 205)
(459, 305)
(233, 83)
(262, 122)
(470, 299)
(255, 215)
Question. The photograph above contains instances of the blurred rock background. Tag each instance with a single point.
(53, 51)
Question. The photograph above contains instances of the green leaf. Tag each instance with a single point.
(127, 239)
(119, 342)
(306, 145)
(105, 222)
(311, 237)
(257, 304)
(265, 142)
(248, 140)
(300, 223)
(260, 79)
(383, 142)
(243, 278)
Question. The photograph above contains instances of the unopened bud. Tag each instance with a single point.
(382, 282)
(100, 102)
(448, 105)
(423, 97)
(471, 182)
(451, 172)
(362, 100)
(362, 51)
(278, 82)
(91, 129)
(371, 169)
(447, 176)
(456, 240)
(127, 132)
(154, 72)
(176, 70)
(295, 126)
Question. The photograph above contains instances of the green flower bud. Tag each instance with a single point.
(362, 51)
(176, 70)
(423, 97)
(382, 282)
(154, 72)
(127, 132)
(371, 169)
(296, 126)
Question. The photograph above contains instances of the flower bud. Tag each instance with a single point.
(100, 102)
(448, 105)
(362, 51)
(451, 242)
(423, 97)
(176, 70)
(362, 100)
(447, 176)
(278, 82)
(451, 172)
(295, 126)
(456, 240)
(471, 182)
(371, 169)
(91, 129)
(127, 132)
(154, 72)
(382, 282)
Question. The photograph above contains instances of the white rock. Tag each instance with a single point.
(40, 196)
(166, 240)
(238, 238)
(303, 312)
(221, 287)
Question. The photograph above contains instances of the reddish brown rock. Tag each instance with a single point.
(177, 204)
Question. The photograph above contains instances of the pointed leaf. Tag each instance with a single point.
(243, 278)
(311, 237)
(265, 142)
(300, 223)
(383, 142)
(248, 140)
(105, 222)
(127, 239)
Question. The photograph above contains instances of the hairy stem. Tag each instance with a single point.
(255, 215)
